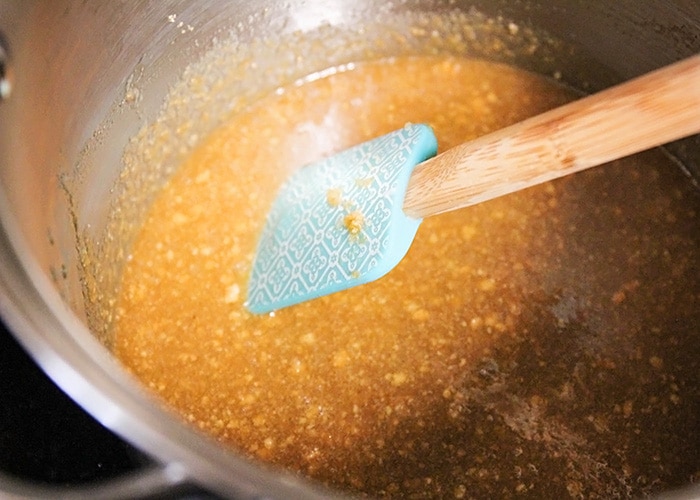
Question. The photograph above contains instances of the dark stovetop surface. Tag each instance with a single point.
(44, 436)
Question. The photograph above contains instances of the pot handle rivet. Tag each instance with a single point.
(5, 71)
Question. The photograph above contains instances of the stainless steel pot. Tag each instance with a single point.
(64, 65)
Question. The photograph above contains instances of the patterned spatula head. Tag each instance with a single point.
(339, 223)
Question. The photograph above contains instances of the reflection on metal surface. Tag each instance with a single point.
(5, 71)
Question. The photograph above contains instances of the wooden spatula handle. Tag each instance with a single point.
(651, 110)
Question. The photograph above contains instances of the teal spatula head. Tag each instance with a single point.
(339, 223)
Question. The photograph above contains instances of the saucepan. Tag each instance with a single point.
(80, 80)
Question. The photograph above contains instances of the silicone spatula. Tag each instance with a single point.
(350, 218)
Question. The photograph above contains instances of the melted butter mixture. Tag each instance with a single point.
(523, 346)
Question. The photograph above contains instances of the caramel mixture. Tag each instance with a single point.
(505, 355)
